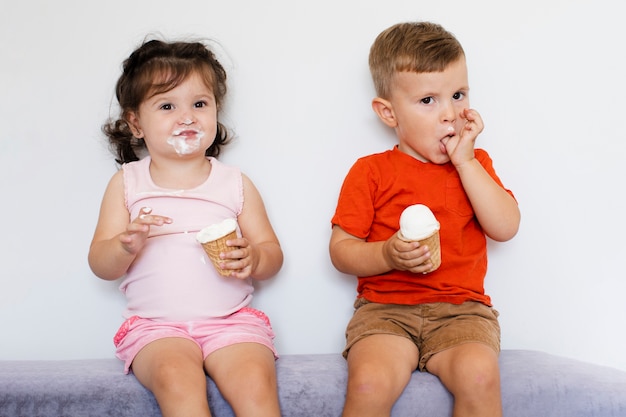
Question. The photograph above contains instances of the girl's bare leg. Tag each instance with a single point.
(245, 374)
(172, 369)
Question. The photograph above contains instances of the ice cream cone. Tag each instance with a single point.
(419, 224)
(213, 249)
(434, 248)
(213, 239)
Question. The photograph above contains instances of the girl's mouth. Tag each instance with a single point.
(185, 141)
(185, 132)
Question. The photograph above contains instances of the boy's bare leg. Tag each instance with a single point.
(172, 369)
(471, 373)
(379, 368)
(245, 374)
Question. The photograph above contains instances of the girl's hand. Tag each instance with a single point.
(460, 147)
(406, 256)
(134, 238)
(240, 260)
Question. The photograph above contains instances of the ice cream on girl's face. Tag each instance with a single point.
(186, 140)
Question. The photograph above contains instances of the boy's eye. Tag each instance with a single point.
(427, 100)
(458, 95)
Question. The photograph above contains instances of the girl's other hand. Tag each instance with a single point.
(137, 231)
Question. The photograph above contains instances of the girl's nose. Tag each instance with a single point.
(186, 121)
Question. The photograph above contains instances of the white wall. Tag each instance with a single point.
(547, 77)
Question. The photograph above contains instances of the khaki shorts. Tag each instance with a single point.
(431, 327)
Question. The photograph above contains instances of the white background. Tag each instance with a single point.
(547, 77)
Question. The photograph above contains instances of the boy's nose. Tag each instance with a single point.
(448, 113)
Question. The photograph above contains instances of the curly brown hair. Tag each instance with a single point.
(157, 67)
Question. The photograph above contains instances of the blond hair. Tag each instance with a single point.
(414, 47)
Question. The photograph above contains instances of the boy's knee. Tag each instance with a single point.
(470, 366)
(477, 378)
(373, 384)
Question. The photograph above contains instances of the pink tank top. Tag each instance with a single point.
(172, 278)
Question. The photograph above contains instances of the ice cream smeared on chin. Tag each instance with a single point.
(185, 141)
(418, 223)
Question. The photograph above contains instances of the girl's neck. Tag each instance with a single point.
(184, 174)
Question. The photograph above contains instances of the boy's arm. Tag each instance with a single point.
(496, 210)
(354, 256)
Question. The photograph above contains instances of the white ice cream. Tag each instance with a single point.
(215, 231)
(417, 222)
(183, 144)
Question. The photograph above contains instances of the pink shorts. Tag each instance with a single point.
(247, 325)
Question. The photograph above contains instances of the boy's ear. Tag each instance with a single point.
(384, 110)
(133, 124)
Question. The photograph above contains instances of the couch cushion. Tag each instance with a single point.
(534, 384)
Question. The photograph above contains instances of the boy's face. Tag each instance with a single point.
(424, 109)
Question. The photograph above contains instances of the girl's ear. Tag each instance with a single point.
(384, 110)
(133, 124)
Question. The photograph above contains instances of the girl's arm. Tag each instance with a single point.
(117, 241)
(260, 255)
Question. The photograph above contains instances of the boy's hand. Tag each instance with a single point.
(137, 231)
(406, 256)
(460, 147)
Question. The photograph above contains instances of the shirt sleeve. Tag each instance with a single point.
(355, 206)
(485, 160)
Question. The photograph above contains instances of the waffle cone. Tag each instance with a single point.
(434, 247)
(213, 249)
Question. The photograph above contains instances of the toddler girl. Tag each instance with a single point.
(184, 320)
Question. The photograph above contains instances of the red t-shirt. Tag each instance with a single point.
(376, 191)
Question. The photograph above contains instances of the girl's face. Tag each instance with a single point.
(424, 109)
(182, 121)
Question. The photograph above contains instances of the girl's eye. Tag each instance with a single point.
(200, 104)
(166, 106)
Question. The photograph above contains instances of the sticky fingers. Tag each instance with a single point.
(473, 120)
(149, 219)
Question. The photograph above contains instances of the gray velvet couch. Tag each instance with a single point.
(534, 384)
